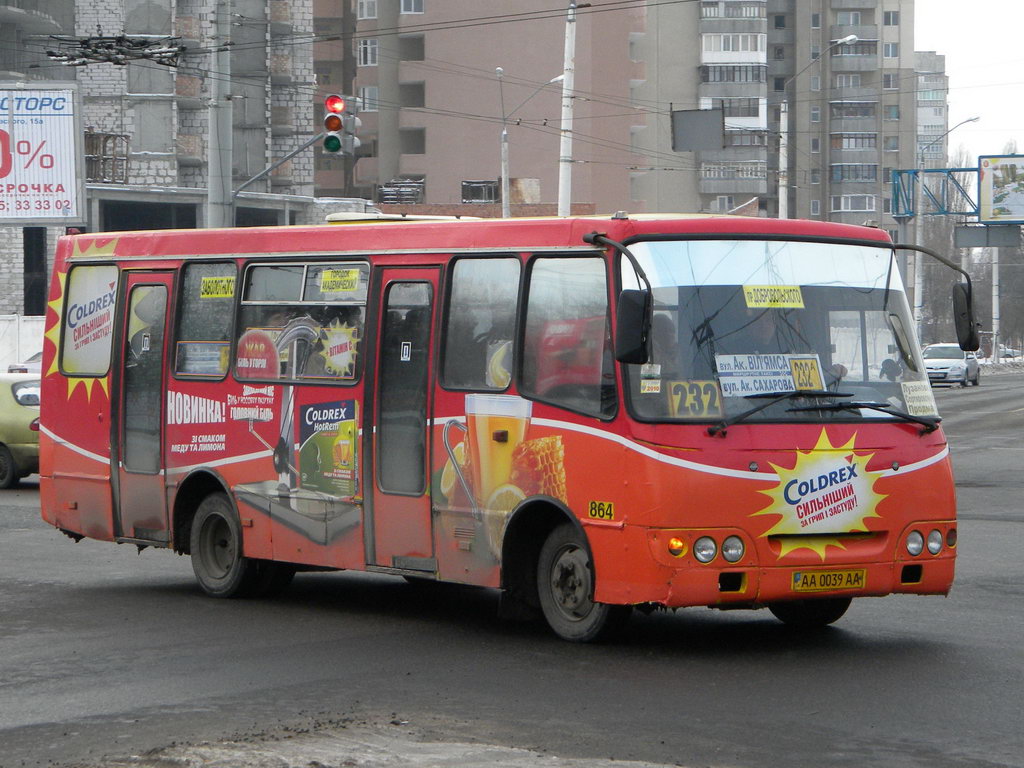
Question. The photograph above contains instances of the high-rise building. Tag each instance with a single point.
(434, 108)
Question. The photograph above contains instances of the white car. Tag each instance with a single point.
(948, 364)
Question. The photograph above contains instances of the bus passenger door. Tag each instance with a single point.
(401, 519)
(141, 499)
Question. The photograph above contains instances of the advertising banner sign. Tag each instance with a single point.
(1001, 189)
(41, 178)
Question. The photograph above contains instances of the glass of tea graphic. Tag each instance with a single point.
(495, 425)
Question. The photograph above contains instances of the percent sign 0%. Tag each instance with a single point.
(31, 155)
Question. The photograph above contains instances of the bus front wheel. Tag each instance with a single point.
(810, 614)
(565, 584)
(216, 545)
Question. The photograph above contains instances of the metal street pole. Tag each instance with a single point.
(219, 197)
(919, 227)
(505, 194)
(565, 145)
(783, 174)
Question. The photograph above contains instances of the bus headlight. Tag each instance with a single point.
(732, 549)
(705, 549)
(915, 543)
(935, 542)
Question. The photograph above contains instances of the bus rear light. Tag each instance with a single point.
(34, 426)
(915, 543)
(705, 549)
(951, 537)
(733, 549)
(935, 542)
(676, 547)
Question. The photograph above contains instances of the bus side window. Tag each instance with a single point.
(567, 354)
(478, 349)
(205, 320)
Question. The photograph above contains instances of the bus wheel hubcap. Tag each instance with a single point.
(570, 582)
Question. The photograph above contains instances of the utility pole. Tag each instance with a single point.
(565, 145)
(219, 193)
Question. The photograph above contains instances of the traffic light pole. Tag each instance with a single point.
(282, 161)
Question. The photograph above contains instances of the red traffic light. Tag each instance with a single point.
(335, 103)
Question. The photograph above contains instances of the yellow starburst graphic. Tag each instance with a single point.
(94, 249)
(827, 493)
(339, 349)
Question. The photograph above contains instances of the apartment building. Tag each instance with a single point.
(433, 106)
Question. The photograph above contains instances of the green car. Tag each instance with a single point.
(19, 427)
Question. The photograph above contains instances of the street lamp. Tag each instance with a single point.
(919, 225)
(505, 203)
(783, 175)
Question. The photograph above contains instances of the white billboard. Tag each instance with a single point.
(42, 178)
(1001, 189)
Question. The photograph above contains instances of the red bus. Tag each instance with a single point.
(589, 414)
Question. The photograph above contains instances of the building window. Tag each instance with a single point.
(815, 82)
(848, 80)
(844, 109)
(779, 84)
(815, 207)
(412, 47)
(891, 50)
(890, 82)
(891, 18)
(861, 48)
(366, 52)
(727, 171)
(892, 112)
(413, 94)
(854, 140)
(815, 144)
(369, 98)
(848, 18)
(733, 42)
(815, 114)
(815, 21)
(854, 172)
(723, 204)
(779, 21)
(846, 203)
(366, 9)
(106, 157)
(412, 6)
(815, 52)
(746, 138)
(737, 107)
(779, 53)
(726, 73)
(753, 10)
(709, 10)
(892, 144)
(413, 141)
(815, 175)
(480, 192)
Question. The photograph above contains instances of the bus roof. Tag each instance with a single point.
(446, 236)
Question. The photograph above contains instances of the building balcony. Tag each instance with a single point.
(280, 18)
(281, 122)
(189, 91)
(862, 31)
(853, 63)
(189, 149)
(27, 16)
(737, 187)
(187, 29)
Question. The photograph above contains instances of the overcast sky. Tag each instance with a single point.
(984, 51)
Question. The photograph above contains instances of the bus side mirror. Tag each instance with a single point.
(963, 319)
(631, 327)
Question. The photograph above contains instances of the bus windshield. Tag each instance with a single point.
(738, 320)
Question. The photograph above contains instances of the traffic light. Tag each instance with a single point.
(340, 125)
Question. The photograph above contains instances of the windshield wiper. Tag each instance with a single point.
(772, 398)
(929, 423)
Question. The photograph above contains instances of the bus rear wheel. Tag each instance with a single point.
(216, 545)
(565, 587)
(810, 614)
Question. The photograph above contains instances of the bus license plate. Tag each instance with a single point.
(824, 581)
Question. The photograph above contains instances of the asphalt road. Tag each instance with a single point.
(107, 654)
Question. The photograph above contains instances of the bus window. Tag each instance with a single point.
(567, 357)
(481, 317)
(89, 324)
(204, 327)
(302, 322)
